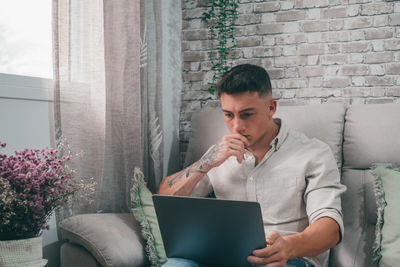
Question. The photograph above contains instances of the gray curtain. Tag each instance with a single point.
(98, 98)
(112, 61)
(161, 81)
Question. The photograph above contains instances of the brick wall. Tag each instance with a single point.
(316, 51)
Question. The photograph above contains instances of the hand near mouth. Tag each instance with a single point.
(230, 145)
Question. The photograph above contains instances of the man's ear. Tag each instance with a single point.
(272, 106)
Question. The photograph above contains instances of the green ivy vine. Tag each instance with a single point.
(220, 19)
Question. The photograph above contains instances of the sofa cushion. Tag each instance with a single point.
(75, 255)
(359, 218)
(371, 135)
(387, 242)
(113, 239)
(324, 122)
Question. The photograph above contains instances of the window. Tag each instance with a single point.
(26, 38)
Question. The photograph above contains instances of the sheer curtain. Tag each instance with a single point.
(98, 97)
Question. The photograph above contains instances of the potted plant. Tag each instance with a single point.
(33, 183)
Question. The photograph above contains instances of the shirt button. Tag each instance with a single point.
(251, 178)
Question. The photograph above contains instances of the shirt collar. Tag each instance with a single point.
(282, 134)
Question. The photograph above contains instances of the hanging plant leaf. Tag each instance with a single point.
(220, 19)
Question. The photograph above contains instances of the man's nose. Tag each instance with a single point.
(238, 125)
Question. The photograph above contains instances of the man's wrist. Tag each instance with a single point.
(293, 242)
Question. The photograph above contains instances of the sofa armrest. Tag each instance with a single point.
(114, 239)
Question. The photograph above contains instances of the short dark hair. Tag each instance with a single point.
(244, 78)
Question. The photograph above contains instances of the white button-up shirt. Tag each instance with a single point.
(296, 183)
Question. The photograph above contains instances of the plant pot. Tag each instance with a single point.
(24, 252)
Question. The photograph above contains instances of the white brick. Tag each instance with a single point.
(358, 81)
(335, 25)
(289, 93)
(357, 35)
(353, 70)
(194, 66)
(314, 26)
(268, 17)
(331, 71)
(276, 73)
(276, 93)
(314, 101)
(268, 40)
(381, 21)
(358, 91)
(353, 10)
(314, 13)
(311, 3)
(291, 38)
(290, 27)
(267, 63)
(333, 59)
(397, 7)
(289, 50)
(315, 82)
(357, 100)
(356, 58)
(377, 9)
(308, 71)
(333, 48)
(379, 80)
(291, 83)
(314, 37)
(376, 69)
(291, 73)
(394, 20)
(378, 46)
(266, 7)
(293, 15)
(286, 5)
(292, 102)
(378, 33)
(312, 49)
(312, 60)
(357, 23)
(247, 52)
(246, 8)
(323, 92)
(380, 57)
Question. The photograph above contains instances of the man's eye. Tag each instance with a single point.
(247, 115)
(228, 115)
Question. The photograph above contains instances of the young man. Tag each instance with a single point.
(294, 178)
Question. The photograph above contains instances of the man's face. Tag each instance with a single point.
(248, 114)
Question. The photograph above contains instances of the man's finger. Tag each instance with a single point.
(265, 252)
(237, 142)
(272, 237)
(239, 155)
(242, 138)
(258, 260)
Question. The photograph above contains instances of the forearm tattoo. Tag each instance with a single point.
(206, 161)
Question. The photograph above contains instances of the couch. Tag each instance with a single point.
(358, 135)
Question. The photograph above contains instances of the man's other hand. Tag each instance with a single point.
(276, 253)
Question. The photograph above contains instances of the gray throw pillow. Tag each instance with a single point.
(386, 249)
(143, 210)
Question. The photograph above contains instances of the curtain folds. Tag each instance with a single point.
(98, 98)
(112, 61)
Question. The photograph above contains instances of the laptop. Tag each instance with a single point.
(209, 231)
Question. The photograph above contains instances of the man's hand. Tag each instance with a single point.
(229, 145)
(276, 254)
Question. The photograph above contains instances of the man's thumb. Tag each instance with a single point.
(271, 237)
